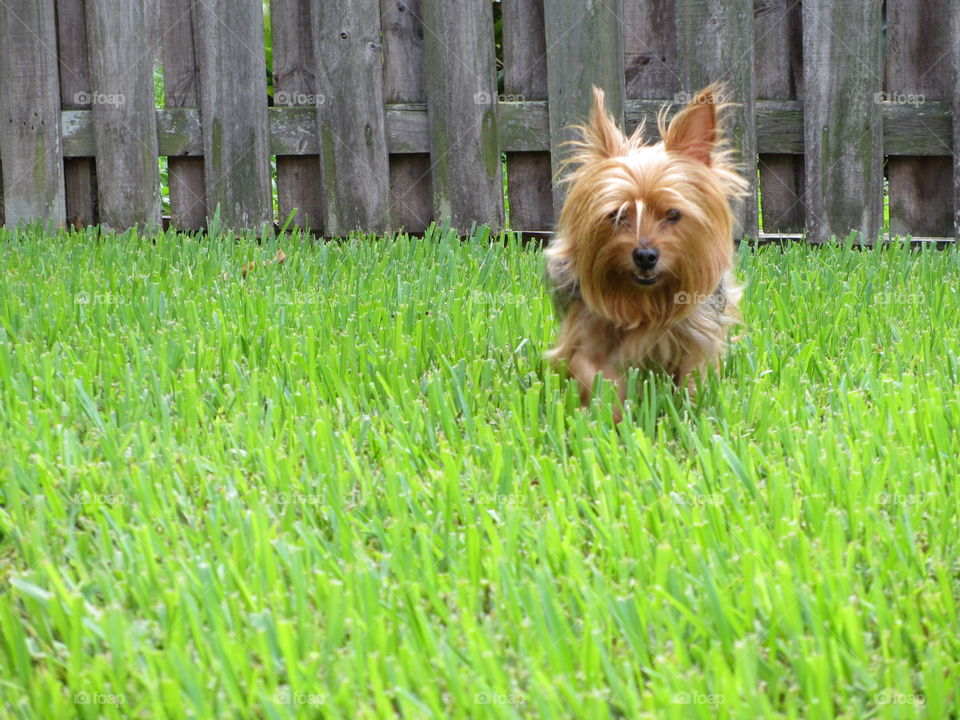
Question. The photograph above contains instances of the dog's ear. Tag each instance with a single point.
(602, 137)
(693, 131)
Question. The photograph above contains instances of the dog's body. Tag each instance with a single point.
(641, 267)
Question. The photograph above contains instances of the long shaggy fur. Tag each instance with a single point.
(673, 197)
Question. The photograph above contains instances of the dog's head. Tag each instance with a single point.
(647, 230)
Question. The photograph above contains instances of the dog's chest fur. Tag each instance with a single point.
(694, 341)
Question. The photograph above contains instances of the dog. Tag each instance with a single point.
(640, 269)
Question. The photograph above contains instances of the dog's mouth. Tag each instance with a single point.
(646, 278)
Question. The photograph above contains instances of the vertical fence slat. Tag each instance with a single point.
(124, 115)
(955, 32)
(650, 49)
(352, 116)
(181, 89)
(525, 77)
(462, 90)
(236, 148)
(715, 42)
(294, 83)
(30, 140)
(843, 132)
(411, 195)
(577, 58)
(79, 177)
(919, 64)
(778, 49)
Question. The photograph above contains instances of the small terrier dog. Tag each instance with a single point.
(640, 268)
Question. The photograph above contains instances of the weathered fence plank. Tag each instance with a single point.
(353, 137)
(30, 144)
(919, 69)
(715, 43)
(299, 180)
(529, 175)
(778, 50)
(843, 131)
(80, 182)
(411, 194)
(181, 89)
(124, 115)
(525, 128)
(462, 90)
(576, 59)
(228, 36)
(650, 49)
(955, 32)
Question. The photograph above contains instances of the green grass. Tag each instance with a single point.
(348, 487)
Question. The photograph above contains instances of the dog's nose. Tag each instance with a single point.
(645, 258)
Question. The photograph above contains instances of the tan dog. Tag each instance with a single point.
(640, 266)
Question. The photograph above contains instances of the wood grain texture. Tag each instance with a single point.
(181, 89)
(715, 43)
(124, 114)
(353, 138)
(584, 48)
(650, 49)
(843, 132)
(525, 127)
(299, 179)
(411, 192)
(778, 52)
(79, 174)
(955, 32)
(228, 36)
(30, 139)
(462, 89)
(529, 174)
(919, 66)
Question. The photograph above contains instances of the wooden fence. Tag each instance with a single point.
(388, 113)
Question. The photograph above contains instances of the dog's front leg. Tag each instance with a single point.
(692, 373)
(585, 368)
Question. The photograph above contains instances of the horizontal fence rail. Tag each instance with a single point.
(391, 114)
(525, 127)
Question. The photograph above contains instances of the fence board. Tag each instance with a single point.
(80, 183)
(462, 89)
(30, 145)
(778, 50)
(411, 193)
(525, 128)
(715, 42)
(124, 116)
(228, 36)
(955, 32)
(919, 64)
(530, 189)
(353, 138)
(299, 180)
(575, 60)
(843, 131)
(181, 89)
(650, 49)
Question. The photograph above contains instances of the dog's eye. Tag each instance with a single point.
(615, 218)
(673, 216)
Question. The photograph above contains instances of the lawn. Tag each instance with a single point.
(347, 486)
